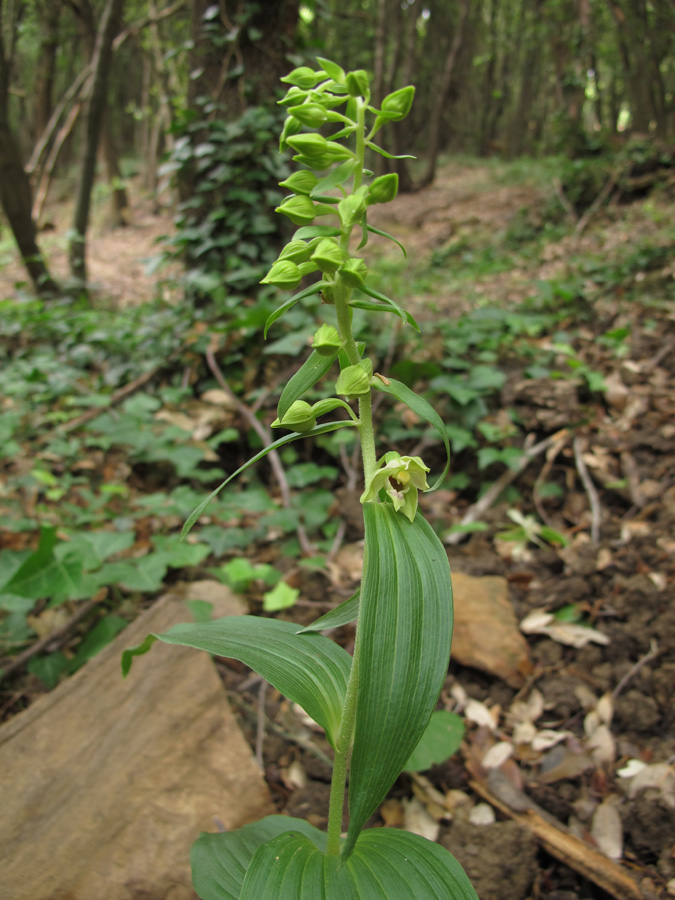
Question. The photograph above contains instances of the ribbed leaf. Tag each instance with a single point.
(386, 865)
(309, 669)
(423, 409)
(312, 370)
(342, 615)
(287, 439)
(405, 631)
(301, 295)
(219, 861)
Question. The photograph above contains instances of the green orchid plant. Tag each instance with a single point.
(375, 705)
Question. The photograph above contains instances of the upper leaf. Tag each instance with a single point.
(404, 637)
(309, 669)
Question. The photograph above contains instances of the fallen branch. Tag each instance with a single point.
(596, 204)
(530, 451)
(55, 637)
(565, 203)
(557, 841)
(591, 493)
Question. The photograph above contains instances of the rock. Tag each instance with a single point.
(500, 859)
(106, 782)
(486, 634)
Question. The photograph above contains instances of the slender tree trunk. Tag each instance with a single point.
(110, 23)
(46, 66)
(440, 99)
(15, 191)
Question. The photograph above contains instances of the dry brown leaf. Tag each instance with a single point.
(417, 820)
(607, 830)
(392, 813)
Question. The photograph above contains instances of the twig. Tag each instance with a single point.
(591, 493)
(120, 394)
(55, 637)
(652, 653)
(298, 739)
(260, 732)
(530, 451)
(596, 204)
(551, 456)
(565, 203)
(557, 841)
(263, 433)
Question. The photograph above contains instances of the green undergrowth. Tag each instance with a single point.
(94, 507)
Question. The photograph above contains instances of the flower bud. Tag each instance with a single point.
(309, 145)
(354, 381)
(300, 210)
(302, 182)
(382, 189)
(327, 341)
(302, 77)
(313, 115)
(284, 274)
(333, 70)
(328, 256)
(358, 83)
(296, 251)
(293, 96)
(396, 106)
(298, 417)
(352, 208)
(291, 127)
(354, 272)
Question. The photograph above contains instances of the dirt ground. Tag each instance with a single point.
(588, 736)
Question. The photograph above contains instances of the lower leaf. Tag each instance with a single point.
(386, 865)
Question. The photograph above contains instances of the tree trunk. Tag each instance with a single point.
(110, 22)
(46, 66)
(15, 192)
(440, 99)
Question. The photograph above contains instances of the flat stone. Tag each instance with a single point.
(486, 634)
(106, 782)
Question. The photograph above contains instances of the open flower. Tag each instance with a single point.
(401, 477)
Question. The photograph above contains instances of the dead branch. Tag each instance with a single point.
(596, 204)
(564, 202)
(56, 637)
(557, 841)
(530, 451)
(589, 487)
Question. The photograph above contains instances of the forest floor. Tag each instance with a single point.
(572, 733)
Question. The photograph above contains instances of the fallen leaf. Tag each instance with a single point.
(497, 755)
(482, 814)
(478, 713)
(607, 830)
(417, 820)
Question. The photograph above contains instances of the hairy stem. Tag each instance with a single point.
(367, 435)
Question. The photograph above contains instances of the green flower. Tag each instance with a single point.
(401, 477)
(327, 341)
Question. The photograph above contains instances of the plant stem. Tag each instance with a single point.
(367, 435)
(342, 750)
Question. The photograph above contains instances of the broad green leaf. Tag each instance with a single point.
(50, 668)
(387, 864)
(281, 596)
(309, 669)
(382, 298)
(312, 370)
(102, 634)
(385, 234)
(96, 546)
(301, 295)
(342, 615)
(219, 861)
(441, 739)
(405, 632)
(423, 409)
(287, 439)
